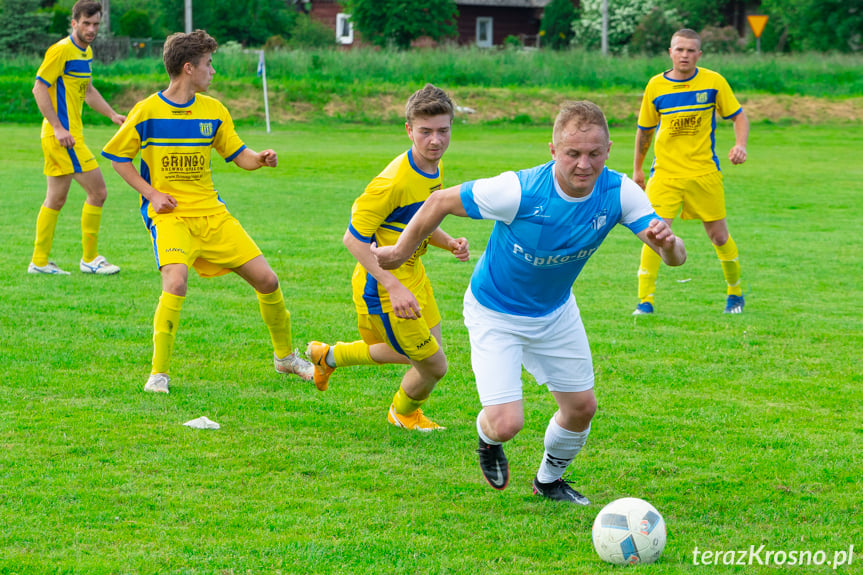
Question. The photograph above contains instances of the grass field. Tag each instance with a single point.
(742, 430)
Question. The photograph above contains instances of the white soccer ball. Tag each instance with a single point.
(629, 531)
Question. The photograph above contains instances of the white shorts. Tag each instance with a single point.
(553, 348)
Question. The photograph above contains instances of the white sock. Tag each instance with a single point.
(482, 435)
(561, 447)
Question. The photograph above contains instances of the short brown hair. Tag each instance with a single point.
(85, 8)
(428, 101)
(687, 33)
(583, 114)
(181, 48)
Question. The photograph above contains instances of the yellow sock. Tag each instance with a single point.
(46, 222)
(91, 218)
(647, 272)
(165, 324)
(404, 404)
(354, 353)
(729, 258)
(278, 320)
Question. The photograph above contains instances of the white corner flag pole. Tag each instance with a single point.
(262, 72)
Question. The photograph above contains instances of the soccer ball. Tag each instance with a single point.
(629, 531)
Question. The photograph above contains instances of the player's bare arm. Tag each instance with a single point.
(251, 160)
(737, 154)
(429, 217)
(405, 304)
(95, 100)
(43, 101)
(162, 203)
(457, 246)
(642, 146)
(662, 240)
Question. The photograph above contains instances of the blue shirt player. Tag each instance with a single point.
(519, 308)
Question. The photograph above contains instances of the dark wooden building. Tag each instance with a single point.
(483, 23)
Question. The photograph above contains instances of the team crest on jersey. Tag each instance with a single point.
(599, 220)
(206, 129)
(701, 97)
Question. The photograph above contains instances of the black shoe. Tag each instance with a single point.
(494, 465)
(559, 491)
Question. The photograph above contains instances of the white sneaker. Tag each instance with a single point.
(50, 269)
(158, 383)
(293, 363)
(99, 266)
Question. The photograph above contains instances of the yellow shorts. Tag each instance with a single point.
(410, 337)
(60, 161)
(212, 245)
(699, 198)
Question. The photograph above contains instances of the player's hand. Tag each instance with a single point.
(162, 203)
(118, 119)
(268, 158)
(660, 233)
(737, 155)
(404, 303)
(638, 177)
(64, 138)
(386, 256)
(459, 249)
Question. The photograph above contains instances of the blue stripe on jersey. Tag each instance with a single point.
(78, 68)
(713, 141)
(115, 158)
(145, 171)
(466, 193)
(391, 335)
(686, 99)
(371, 295)
(44, 81)
(235, 154)
(171, 132)
(419, 171)
(392, 228)
(358, 235)
(403, 214)
(734, 114)
(62, 111)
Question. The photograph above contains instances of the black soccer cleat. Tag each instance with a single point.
(493, 463)
(559, 491)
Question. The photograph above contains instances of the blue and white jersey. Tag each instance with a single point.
(542, 238)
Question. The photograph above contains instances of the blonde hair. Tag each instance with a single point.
(581, 115)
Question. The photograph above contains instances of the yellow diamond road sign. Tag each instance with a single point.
(757, 23)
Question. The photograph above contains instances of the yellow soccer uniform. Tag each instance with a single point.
(684, 114)
(380, 215)
(65, 70)
(175, 143)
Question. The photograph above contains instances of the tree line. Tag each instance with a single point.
(635, 26)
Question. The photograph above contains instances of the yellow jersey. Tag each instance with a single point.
(380, 215)
(684, 115)
(175, 141)
(66, 71)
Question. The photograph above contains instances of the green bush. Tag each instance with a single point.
(724, 40)
(309, 33)
(556, 27)
(653, 33)
(136, 24)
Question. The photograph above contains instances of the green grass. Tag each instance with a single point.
(742, 430)
(370, 85)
